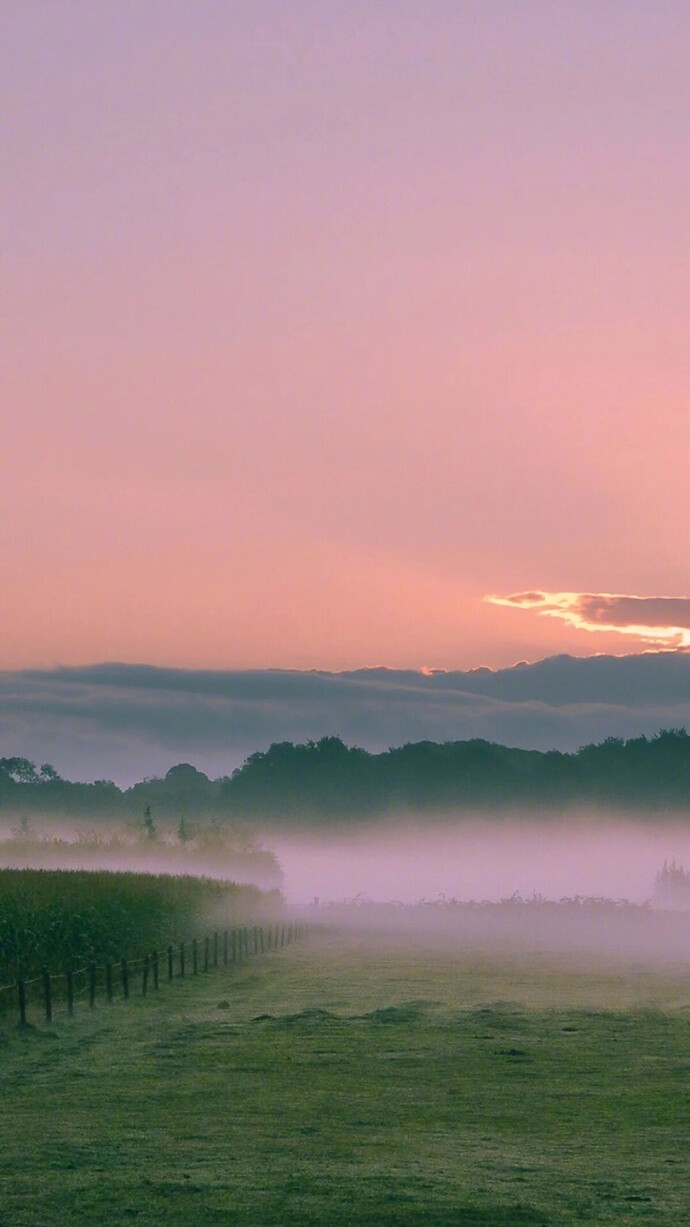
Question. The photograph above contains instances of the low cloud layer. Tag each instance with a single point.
(128, 721)
(661, 621)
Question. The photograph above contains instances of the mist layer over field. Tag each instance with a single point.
(482, 859)
(580, 888)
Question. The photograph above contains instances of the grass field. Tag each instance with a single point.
(342, 1082)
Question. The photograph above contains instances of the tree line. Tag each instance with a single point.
(327, 780)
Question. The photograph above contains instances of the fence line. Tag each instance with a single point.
(168, 962)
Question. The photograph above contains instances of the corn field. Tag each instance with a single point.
(59, 918)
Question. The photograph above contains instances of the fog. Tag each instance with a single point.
(404, 860)
(487, 859)
(582, 884)
(580, 889)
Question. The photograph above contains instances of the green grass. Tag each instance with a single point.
(336, 1082)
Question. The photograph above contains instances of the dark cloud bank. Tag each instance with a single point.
(128, 721)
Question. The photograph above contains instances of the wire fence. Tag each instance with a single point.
(122, 978)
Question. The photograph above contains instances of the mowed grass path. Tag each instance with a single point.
(351, 1081)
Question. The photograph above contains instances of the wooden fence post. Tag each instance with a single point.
(154, 962)
(261, 938)
(125, 978)
(215, 947)
(225, 948)
(234, 945)
(182, 960)
(21, 994)
(145, 975)
(170, 962)
(92, 985)
(109, 982)
(195, 957)
(206, 951)
(70, 993)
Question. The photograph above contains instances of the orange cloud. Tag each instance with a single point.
(661, 621)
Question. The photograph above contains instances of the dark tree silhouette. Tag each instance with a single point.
(328, 781)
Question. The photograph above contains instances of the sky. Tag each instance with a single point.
(324, 323)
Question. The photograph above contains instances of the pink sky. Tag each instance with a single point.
(324, 321)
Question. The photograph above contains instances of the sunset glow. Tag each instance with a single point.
(659, 621)
(323, 321)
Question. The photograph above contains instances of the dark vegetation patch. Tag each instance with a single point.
(405, 1013)
(64, 918)
(305, 1018)
(408, 1012)
(305, 781)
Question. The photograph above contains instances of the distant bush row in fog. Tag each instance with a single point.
(579, 925)
(321, 780)
(227, 850)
